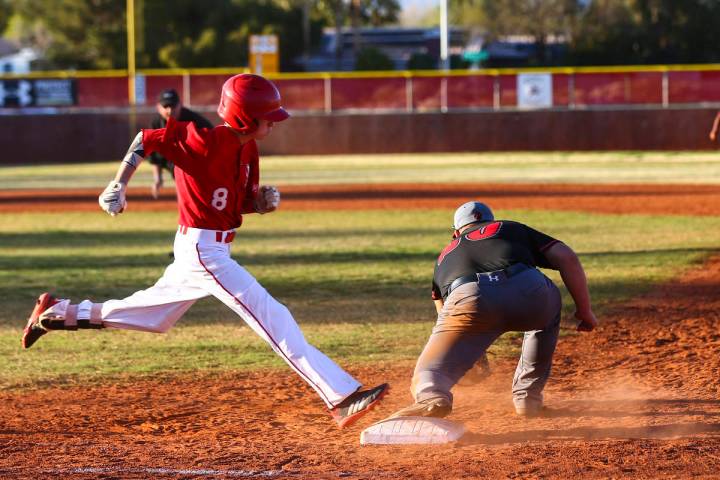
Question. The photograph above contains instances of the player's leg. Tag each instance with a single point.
(538, 347)
(447, 356)
(533, 369)
(274, 323)
(465, 328)
(155, 309)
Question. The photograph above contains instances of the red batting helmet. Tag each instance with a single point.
(246, 98)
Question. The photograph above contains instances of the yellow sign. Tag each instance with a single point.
(264, 54)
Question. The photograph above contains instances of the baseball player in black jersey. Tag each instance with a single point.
(169, 105)
(486, 282)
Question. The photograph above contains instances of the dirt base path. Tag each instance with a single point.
(638, 398)
(652, 199)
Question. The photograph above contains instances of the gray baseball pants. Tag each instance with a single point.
(473, 316)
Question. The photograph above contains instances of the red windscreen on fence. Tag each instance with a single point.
(102, 92)
(421, 92)
(302, 95)
(694, 87)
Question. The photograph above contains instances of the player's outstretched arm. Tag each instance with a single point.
(112, 199)
(157, 181)
(564, 259)
(716, 125)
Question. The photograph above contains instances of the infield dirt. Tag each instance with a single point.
(637, 398)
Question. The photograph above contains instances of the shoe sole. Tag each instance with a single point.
(41, 304)
(346, 422)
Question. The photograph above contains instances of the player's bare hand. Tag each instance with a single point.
(112, 199)
(586, 321)
(713, 136)
(267, 200)
(155, 188)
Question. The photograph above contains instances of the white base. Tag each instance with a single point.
(411, 430)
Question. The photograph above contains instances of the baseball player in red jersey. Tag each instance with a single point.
(217, 174)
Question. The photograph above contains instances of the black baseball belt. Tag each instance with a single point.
(489, 277)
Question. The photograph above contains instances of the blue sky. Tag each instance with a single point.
(412, 9)
(420, 3)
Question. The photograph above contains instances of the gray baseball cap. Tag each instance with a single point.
(472, 212)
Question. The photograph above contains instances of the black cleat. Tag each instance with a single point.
(358, 404)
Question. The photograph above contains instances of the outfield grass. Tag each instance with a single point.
(511, 167)
(357, 281)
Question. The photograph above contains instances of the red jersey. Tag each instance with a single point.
(216, 176)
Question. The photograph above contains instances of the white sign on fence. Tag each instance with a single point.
(534, 90)
(140, 89)
(54, 92)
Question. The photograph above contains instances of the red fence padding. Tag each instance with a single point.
(205, 89)
(561, 92)
(470, 91)
(424, 93)
(600, 88)
(102, 92)
(304, 95)
(508, 90)
(645, 87)
(694, 87)
(368, 93)
(156, 84)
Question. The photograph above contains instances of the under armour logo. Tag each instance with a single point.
(494, 278)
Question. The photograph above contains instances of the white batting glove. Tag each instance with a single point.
(268, 199)
(112, 199)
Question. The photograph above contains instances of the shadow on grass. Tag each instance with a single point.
(49, 262)
(75, 239)
(320, 302)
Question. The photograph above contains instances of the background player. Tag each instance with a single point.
(485, 283)
(217, 173)
(714, 129)
(169, 105)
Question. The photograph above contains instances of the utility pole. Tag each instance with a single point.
(130, 24)
(132, 100)
(306, 7)
(444, 59)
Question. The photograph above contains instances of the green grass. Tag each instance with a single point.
(357, 282)
(511, 167)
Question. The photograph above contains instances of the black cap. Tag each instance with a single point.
(169, 98)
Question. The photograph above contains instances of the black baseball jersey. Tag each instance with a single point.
(186, 115)
(488, 247)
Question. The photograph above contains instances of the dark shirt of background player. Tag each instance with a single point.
(169, 105)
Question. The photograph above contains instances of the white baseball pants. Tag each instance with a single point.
(203, 267)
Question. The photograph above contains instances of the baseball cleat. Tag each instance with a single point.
(33, 329)
(437, 407)
(358, 404)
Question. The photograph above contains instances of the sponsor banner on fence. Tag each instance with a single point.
(140, 89)
(264, 54)
(40, 92)
(534, 90)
